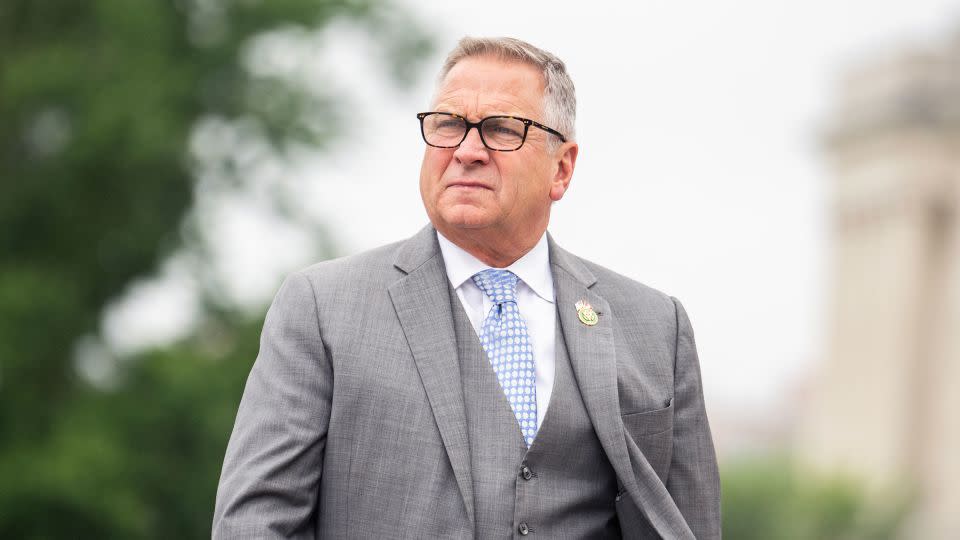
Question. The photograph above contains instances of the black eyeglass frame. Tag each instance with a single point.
(470, 125)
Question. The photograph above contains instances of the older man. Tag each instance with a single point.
(476, 380)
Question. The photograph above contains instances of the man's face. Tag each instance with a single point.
(473, 188)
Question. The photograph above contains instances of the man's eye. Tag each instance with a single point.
(500, 129)
(448, 124)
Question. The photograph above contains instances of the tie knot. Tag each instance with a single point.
(499, 285)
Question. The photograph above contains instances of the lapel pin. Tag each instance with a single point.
(586, 313)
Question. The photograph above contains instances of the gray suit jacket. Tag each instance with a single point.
(352, 421)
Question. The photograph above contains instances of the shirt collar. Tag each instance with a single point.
(533, 268)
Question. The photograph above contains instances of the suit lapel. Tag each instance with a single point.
(422, 302)
(592, 355)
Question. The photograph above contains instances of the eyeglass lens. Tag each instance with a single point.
(498, 133)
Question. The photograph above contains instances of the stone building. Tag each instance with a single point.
(885, 404)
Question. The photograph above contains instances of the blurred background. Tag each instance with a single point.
(790, 171)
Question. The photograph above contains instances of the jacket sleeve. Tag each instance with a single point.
(693, 480)
(271, 473)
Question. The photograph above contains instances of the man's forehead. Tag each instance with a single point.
(491, 85)
(479, 104)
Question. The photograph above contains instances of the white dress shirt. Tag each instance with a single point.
(535, 301)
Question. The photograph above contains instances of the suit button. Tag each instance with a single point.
(526, 473)
(523, 529)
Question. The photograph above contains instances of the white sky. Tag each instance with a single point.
(699, 172)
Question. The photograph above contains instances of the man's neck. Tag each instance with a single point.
(496, 254)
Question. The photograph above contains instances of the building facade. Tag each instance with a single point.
(885, 404)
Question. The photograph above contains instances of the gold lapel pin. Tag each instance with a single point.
(586, 313)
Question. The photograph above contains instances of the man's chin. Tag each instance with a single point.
(466, 217)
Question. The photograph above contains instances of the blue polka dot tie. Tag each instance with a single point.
(505, 339)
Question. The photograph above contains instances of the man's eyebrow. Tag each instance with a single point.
(487, 113)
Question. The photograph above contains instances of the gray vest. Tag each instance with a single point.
(563, 486)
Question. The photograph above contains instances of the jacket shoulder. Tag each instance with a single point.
(351, 279)
(629, 295)
(366, 261)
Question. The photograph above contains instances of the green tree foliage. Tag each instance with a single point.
(98, 100)
(770, 498)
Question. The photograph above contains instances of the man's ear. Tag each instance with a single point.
(566, 161)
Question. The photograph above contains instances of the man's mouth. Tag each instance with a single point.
(468, 184)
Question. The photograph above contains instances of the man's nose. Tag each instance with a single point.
(472, 150)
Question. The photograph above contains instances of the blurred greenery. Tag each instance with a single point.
(98, 102)
(770, 497)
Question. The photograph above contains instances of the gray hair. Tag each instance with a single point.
(559, 96)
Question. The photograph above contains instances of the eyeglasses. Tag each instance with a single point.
(500, 133)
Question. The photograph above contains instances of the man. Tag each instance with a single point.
(476, 380)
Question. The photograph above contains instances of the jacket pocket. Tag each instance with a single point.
(644, 423)
(652, 432)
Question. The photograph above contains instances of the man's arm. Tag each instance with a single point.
(271, 473)
(693, 480)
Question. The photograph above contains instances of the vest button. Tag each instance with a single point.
(523, 529)
(526, 473)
